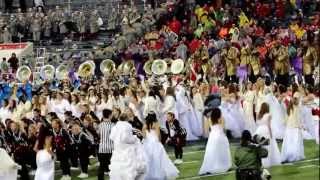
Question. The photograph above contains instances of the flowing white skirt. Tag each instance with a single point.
(128, 162)
(292, 146)
(159, 167)
(278, 116)
(231, 121)
(249, 123)
(187, 122)
(217, 157)
(200, 119)
(274, 156)
(308, 122)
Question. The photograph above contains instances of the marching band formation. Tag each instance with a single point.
(153, 88)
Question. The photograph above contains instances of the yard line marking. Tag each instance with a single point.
(308, 166)
(230, 172)
(186, 153)
(209, 175)
(189, 162)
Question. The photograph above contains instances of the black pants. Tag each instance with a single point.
(104, 159)
(309, 79)
(21, 159)
(63, 157)
(178, 151)
(248, 175)
(84, 161)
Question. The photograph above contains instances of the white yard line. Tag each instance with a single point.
(308, 166)
(230, 172)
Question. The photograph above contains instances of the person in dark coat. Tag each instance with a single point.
(176, 136)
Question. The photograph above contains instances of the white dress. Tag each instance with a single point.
(169, 105)
(76, 112)
(292, 146)
(7, 167)
(231, 121)
(217, 158)
(248, 101)
(160, 167)
(45, 166)
(274, 157)
(308, 121)
(186, 117)
(278, 116)
(128, 161)
(198, 105)
(151, 104)
(60, 107)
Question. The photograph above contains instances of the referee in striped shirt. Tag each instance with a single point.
(106, 144)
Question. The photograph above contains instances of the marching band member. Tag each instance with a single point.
(80, 146)
(310, 61)
(62, 145)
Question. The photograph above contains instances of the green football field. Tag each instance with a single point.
(307, 169)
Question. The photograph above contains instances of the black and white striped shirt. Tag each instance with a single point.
(106, 144)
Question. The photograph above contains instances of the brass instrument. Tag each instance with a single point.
(107, 66)
(128, 67)
(159, 67)
(62, 72)
(147, 67)
(177, 66)
(47, 72)
(23, 73)
(86, 69)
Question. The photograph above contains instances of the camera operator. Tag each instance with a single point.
(248, 157)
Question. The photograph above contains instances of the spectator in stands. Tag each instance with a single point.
(13, 62)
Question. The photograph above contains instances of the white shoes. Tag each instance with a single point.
(32, 173)
(178, 161)
(74, 168)
(106, 173)
(65, 177)
(83, 175)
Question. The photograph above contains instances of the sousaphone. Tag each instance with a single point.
(23, 73)
(62, 72)
(47, 72)
(177, 66)
(159, 67)
(86, 69)
(147, 67)
(107, 66)
(128, 67)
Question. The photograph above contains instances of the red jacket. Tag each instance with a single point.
(280, 9)
(175, 26)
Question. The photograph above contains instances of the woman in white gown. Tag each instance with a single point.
(160, 167)
(217, 158)
(60, 106)
(198, 104)
(278, 116)
(8, 168)
(264, 129)
(151, 104)
(169, 105)
(248, 103)
(292, 147)
(44, 159)
(128, 161)
(186, 116)
(103, 103)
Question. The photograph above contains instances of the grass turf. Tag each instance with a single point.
(307, 169)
